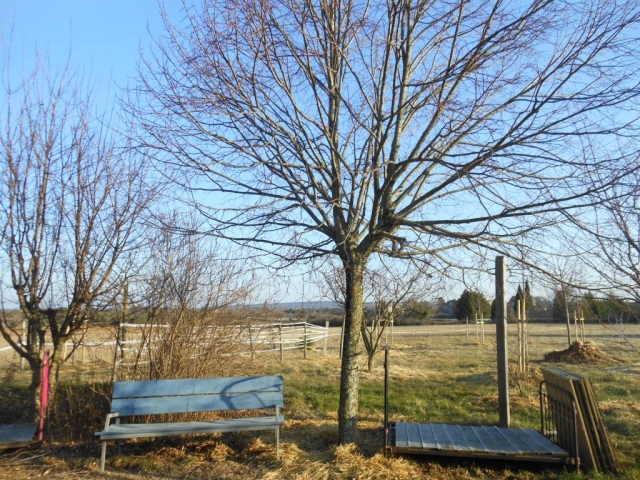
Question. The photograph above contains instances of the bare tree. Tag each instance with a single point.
(390, 289)
(71, 201)
(407, 128)
(611, 244)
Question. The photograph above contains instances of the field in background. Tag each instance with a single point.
(438, 374)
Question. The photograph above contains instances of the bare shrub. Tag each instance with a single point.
(191, 307)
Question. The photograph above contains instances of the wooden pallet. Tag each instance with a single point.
(519, 444)
(17, 435)
(595, 450)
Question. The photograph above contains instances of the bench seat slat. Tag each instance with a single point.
(142, 430)
(196, 403)
(196, 386)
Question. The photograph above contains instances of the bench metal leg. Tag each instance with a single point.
(118, 441)
(103, 456)
(278, 443)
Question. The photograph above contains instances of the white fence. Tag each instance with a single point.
(139, 340)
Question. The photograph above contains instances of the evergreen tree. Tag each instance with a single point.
(471, 303)
(531, 303)
(559, 306)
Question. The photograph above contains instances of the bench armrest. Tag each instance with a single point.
(109, 417)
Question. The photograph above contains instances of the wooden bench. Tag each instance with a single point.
(157, 397)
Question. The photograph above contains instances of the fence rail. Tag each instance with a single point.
(258, 338)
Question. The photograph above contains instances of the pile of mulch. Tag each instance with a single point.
(580, 353)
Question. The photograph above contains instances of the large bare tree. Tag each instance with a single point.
(419, 128)
(72, 198)
(610, 240)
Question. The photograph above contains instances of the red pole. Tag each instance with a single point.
(44, 393)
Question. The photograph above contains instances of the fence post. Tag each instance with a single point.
(525, 335)
(251, 342)
(281, 349)
(326, 338)
(305, 340)
(501, 340)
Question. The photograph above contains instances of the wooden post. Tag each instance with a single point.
(519, 319)
(477, 330)
(392, 331)
(525, 347)
(467, 319)
(344, 319)
(566, 308)
(326, 338)
(501, 339)
(305, 340)
(281, 349)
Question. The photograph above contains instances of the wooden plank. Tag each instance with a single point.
(141, 430)
(196, 403)
(602, 429)
(474, 443)
(540, 443)
(520, 446)
(501, 441)
(428, 438)
(487, 440)
(413, 436)
(442, 438)
(590, 422)
(402, 438)
(196, 386)
(17, 435)
(457, 438)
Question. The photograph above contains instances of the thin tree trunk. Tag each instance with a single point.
(349, 377)
(34, 390)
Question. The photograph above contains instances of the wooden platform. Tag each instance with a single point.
(474, 442)
(17, 435)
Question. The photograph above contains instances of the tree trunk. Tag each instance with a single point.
(349, 376)
(371, 360)
(34, 389)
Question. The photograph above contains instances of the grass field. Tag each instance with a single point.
(437, 375)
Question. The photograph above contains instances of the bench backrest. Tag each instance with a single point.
(190, 395)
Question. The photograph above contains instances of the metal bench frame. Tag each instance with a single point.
(159, 397)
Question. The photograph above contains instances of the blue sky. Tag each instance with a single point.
(104, 36)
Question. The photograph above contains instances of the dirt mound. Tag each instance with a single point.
(579, 353)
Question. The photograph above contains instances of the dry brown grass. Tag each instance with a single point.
(434, 378)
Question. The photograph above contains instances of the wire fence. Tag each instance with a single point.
(134, 342)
